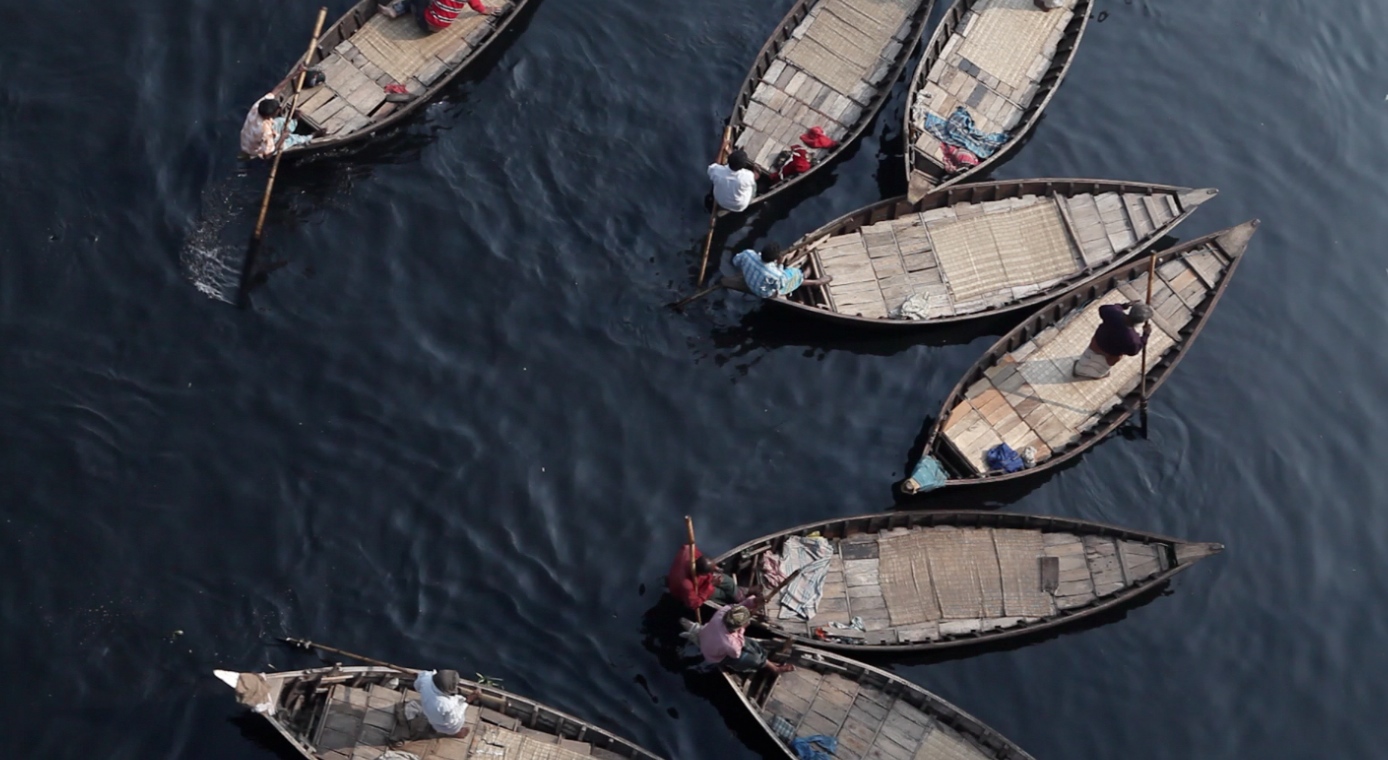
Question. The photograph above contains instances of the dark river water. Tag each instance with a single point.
(459, 428)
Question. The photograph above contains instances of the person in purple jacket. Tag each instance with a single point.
(1116, 338)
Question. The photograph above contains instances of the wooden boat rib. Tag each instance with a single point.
(342, 713)
(978, 250)
(365, 50)
(1022, 391)
(830, 64)
(1001, 60)
(872, 713)
(930, 580)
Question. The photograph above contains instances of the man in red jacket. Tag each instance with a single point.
(438, 15)
(707, 584)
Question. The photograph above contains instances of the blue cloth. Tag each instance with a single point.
(928, 474)
(959, 130)
(808, 747)
(767, 279)
(293, 138)
(1003, 457)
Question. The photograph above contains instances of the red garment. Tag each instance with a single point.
(679, 585)
(957, 159)
(798, 163)
(815, 138)
(441, 13)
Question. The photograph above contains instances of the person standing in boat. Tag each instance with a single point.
(441, 703)
(1116, 337)
(723, 642)
(767, 275)
(260, 133)
(734, 183)
(707, 584)
(438, 15)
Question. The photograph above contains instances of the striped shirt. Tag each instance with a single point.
(441, 13)
(767, 279)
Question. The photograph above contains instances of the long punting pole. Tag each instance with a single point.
(1151, 276)
(693, 566)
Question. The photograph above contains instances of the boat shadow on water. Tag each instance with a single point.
(260, 733)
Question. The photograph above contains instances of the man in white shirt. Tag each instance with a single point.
(735, 184)
(441, 703)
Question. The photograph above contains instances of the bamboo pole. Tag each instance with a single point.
(1147, 331)
(306, 645)
(693, 567)
(713, 215)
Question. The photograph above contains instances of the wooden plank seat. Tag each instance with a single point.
(872, 714)
(981, 249)
(1023, 391)
(1000, 60)
(828, 65)
(929, 580)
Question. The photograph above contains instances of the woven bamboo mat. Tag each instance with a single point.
(496, 743)
(944, 744)
(822, 64)
(1019, 553)
(1007, 36)
(969, 256)
(955, 576)
(399, 47)
(904, 571)
(1033, 245)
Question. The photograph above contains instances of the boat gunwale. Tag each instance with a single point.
(768, 54)
(1059, 68)
(363, 12)
(1059, 310)
(979, 192)
(533, 709)
(976, 519)
(940, 709)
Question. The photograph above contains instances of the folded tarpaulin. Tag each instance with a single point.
(959, 130)
(1003, 457)
(800, 599)
(810, 747)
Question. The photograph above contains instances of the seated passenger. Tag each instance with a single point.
(722, 641)
(441, 703)
(261, 131)
(767, 276)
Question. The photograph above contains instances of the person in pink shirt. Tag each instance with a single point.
(723, 642)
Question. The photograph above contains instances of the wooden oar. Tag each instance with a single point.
(279, 150)
(1151, 276)
(693, 567)
(683, 302)
(307, 645)
(713, 216)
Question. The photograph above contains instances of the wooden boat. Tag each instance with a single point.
(1001, 60)
(930, 580)
(365, 50)
(977, 250)
(830, 64)
(341, 713)
(872, 713)
(1022, 392)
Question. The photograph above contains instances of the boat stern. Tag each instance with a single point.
(1193, 199)
(252, 690)
(1190, 553)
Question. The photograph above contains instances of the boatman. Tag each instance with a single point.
(441, 703)
(261, 132)
(707, 583)
(722, 641)
(1115, 338)
(734, 184)
(766, 274)
(438, 15)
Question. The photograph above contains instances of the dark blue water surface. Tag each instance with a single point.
(459, 428)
